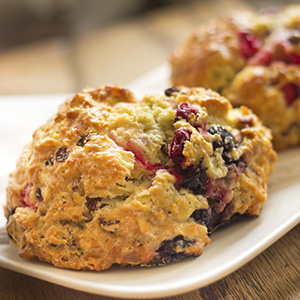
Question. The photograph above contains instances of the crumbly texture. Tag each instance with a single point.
(253, 59)
(113, 180)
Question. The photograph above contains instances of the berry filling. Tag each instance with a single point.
(249, 44)
(291, 93)
(219, 191)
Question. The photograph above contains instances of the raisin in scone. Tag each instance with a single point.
(253, 59)
(112, 180)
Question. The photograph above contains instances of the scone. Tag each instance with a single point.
(113, 180)
(252, 59)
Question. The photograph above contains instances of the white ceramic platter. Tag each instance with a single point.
(231, 247)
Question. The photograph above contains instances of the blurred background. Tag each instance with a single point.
(61, 46)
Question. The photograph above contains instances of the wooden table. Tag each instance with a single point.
(117, 54)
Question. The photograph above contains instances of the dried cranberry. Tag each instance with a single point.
(262, 58)
(294, 58)
(176, 147)
(291, 93)
(61, 154)
(249, 43)
(184, 110)
(170, 91)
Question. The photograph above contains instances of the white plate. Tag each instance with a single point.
(231, 247)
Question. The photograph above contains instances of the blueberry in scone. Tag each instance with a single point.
(113, 180)
(253, 59)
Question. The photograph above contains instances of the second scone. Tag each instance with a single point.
(253, 59)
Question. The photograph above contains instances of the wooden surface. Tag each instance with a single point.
(117, 54)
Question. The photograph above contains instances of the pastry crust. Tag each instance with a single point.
(110, 180)
(237, 56)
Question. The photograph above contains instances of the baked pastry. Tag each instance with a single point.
(252, 59)
(112, 180)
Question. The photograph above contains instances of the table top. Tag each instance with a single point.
(117, 54)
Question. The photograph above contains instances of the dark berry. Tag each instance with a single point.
(170, 91)
(249, 44)
(202, 216)
(91, 203)
(227, 140)
(49, 162)
(38, 194)
(61, 154)
(169, 250)
(195, 180)
(295, 39)
(181, 135)
(212, 219)
(84, 139)
(184, 110)
(291, 93)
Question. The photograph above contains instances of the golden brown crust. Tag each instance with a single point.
(99, 184)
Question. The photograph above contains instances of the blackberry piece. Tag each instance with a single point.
(227, 141)
(196, 180)
(202, 216)
(168, 250)
(213, 220)
(170, 91)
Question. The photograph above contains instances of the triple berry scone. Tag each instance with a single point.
(112, 180)
(252, 59)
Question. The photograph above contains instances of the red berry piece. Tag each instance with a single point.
(184, 110)
(176, 147)
(262, 58)
(294, 58)
(291, 93)
(249, 43)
